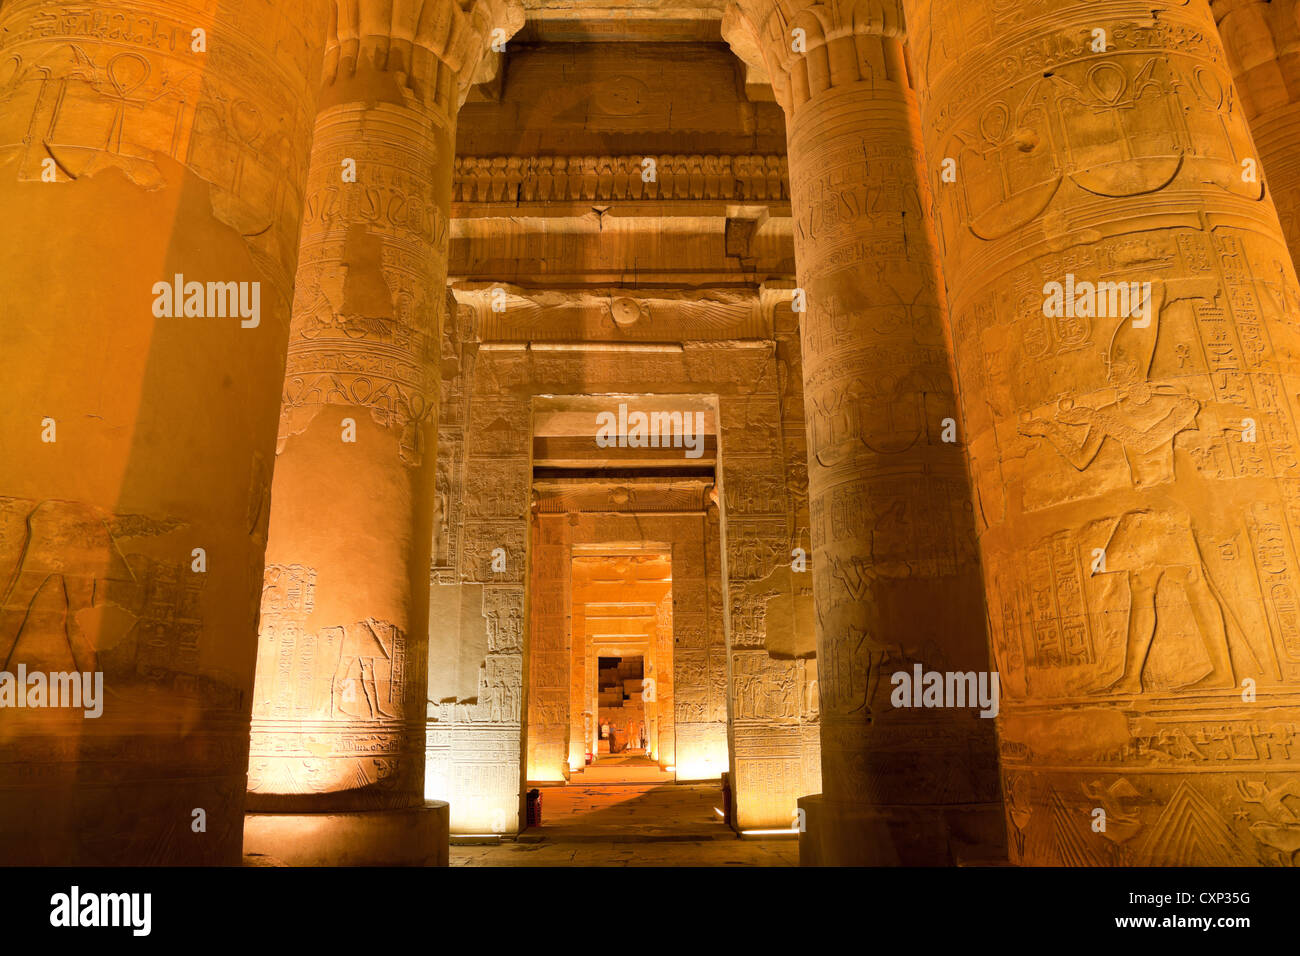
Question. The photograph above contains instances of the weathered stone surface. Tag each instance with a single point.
(131, 433)
(895, 576)
(339, 705)
(1135, 468)
(626, 99)
(776, 350)
(692, 718)
(1262, 40)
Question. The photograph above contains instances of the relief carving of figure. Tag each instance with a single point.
(1281, 830)
(68, 565)
(361, 653)
(1148, 545)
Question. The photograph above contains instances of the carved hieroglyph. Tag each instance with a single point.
(477, 629)
(653, 296)
(770, 641)
(1262, 40)
(549, 660)
(339, 706)
(894, 570)
(1136, 474)
(128, 441)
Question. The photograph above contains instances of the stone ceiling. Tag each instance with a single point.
(665, 20)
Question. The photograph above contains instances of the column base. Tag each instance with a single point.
(413, 836)
(854, 835)
(810, 808)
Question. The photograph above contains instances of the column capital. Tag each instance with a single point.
(1222, 8)
(415, 37)
(803, 46)
(1258, 32)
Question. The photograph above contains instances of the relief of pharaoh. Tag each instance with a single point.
(1153, 546)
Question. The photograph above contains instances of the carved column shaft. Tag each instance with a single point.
(549, 649)
(665, 724)
(343, 620)
(1123, 310)
(580, 714)
(339, 711)
(1262, 40)
(895, 576)
(151, 161)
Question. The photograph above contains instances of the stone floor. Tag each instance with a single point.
(631, 824)
(625, 812)
(631, 757)
(620, 769)
(665, 853)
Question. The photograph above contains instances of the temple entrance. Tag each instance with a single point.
(622, 647)
(594, 368)
(624, 383)
(626, 730)
(623, 737)
(621, 781)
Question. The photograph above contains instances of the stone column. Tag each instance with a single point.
(665, 664)
(700, 726)
(150, 154)
(593, 690)
(895, 574)
(580, 715)
(549, 662)
(1262, 38)
(1133, 443)
(339, 704)
(766, 630)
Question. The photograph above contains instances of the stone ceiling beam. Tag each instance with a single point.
(641, 20)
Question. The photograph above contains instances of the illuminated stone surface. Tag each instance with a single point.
(410, 836)
(571, 323)
(630, 812)
(622, 606)
(127, 158)
(894, 565)
(1135, 476)
(472, 256)
(338, 708)
(770, 852)
(631, 825)
(1262, 40)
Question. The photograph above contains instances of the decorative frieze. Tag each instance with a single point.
(516, 179)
